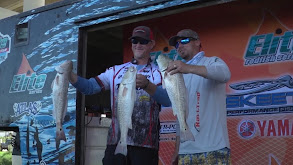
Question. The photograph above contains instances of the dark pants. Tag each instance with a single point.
(135, 156)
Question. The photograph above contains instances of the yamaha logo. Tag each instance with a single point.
(246, 129)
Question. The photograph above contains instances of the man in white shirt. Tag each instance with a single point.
(205, 78)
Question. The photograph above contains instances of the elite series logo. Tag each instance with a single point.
(5, 44)
(267, 48)
(22, 82)
(271, 43)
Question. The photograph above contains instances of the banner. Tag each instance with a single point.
(255, 40)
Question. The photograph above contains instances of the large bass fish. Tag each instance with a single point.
(177, 93)
(59, 95)
(126, 98)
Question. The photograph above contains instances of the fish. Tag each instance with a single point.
(126, 98)
(59, 95)
(177, 92)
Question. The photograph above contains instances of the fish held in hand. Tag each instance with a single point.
(126, 98)
(59, 95)
(177, 93)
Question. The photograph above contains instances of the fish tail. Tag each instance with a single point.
(121, 148)
(60, 135)
(186, 135)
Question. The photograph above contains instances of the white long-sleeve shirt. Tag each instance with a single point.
(207, 118)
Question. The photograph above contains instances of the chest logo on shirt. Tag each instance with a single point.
(197, 119)
(144, 98)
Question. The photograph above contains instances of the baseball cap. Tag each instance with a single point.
(185, 33)
(142, 32)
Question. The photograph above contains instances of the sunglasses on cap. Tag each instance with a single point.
(141, 41)
(183, 41)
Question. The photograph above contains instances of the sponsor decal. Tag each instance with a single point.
(268, 48)
(33, 83)
(168, 127)
(275, 128)
(266, 128)
(257, 97)
(28, 108)
(5, 45)
(246, 129)
(144, 98)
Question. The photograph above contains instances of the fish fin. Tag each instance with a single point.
(186, 135)
(60, 135)
(125, 89)
(174, 112)
(121, 148)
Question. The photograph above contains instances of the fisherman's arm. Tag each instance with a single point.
(156, 92)
(217, 70)
(159, 94)
(85, 86)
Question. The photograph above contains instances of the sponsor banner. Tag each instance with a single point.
(261, 139)
(256, 42)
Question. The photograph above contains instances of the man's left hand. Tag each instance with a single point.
(177, 67)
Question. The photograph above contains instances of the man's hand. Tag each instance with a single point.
(141, 81)
(181, 67)
(177, 67)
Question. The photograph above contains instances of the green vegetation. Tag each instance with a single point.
(6, 158)
(6, 149)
